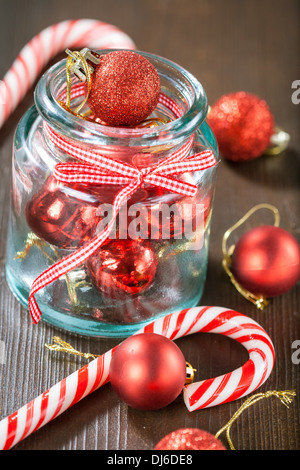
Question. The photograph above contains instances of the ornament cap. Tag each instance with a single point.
(190, 373)
(278, 143)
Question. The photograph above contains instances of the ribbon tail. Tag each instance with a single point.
(62, 267)
(79, 256)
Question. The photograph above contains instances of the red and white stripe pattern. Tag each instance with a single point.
(95, 168)
(28, 65)
(210, 392)
(79, 89)
(251, 335)
(73, 34)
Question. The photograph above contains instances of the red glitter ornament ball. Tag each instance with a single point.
(189, 439)
(243, 125)
(266, 261)
(64, 216)
(148, 371)
(123, 267)
(125, 88)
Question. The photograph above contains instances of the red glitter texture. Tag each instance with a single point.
(125, 89)
(189, 439)
(243, 125)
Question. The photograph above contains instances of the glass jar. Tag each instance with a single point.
(151, 264)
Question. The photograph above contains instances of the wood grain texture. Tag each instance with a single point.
(252, 45)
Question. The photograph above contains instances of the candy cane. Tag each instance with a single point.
(206, 393)
(45, 46)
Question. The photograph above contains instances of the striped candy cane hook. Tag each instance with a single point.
(203, 394)
(45, 46)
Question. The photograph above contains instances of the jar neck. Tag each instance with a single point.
(183, 101)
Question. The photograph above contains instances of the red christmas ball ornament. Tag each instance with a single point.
(189, 439)
(266, 261)
(123, 267)
(243, 125)
(148, 371)
(125, 88)
(63, 216)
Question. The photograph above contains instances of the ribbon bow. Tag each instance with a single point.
(95, 168)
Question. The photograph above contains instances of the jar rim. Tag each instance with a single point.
(188, 89)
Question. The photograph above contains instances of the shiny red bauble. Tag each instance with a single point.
(243, 125)
(189, 439)
(123, 267)
(266, 261)
(125, 88)
(148, 371)
(64, 216)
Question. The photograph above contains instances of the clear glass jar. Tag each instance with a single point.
(49, 220)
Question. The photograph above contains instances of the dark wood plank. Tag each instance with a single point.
(251, 45)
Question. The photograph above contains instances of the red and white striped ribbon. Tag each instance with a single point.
(203, 394)
(18, 80)
(46, 45)
(97, 168)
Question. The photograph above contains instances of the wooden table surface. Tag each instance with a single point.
(251, 45)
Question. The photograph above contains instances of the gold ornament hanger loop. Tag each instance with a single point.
(81, 64)
(77, 64)
(286, 397)
(62, 346)
(259, 301)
